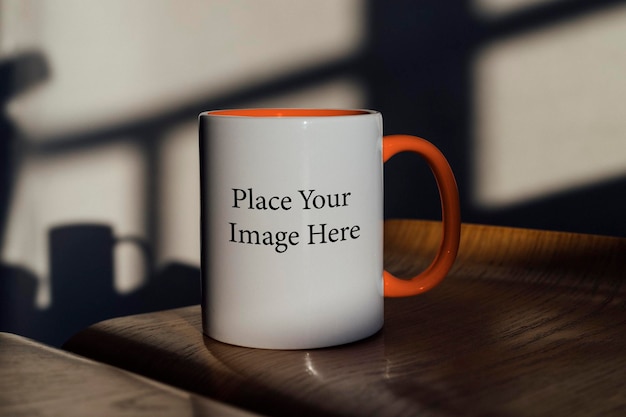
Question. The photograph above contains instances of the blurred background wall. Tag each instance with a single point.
(99, 190)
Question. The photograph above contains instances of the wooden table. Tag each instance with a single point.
(528, 323)
(37, 380)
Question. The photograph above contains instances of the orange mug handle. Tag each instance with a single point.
(450, 213)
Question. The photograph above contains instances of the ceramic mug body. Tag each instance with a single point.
(292, 226)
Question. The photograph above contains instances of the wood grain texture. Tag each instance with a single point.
(528, 323)
(37, 380)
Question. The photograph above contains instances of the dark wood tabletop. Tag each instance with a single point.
(38, 380)
(528, 323)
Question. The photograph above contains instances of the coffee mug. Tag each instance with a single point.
(292, 225)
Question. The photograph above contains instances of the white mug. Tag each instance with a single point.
(292, 225)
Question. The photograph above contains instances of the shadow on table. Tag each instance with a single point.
(82, 286)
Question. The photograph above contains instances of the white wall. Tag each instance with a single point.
(547, 104)
(117, 61)
(550, 113)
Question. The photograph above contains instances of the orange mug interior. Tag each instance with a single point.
(287, 112)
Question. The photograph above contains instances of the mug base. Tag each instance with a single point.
(278, 345)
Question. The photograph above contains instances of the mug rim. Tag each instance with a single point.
(285, 112)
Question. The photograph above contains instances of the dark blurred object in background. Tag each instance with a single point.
(18, 74)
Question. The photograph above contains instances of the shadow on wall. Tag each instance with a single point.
(419, 73)
(81, 266)
(83, 292)
(17, 75)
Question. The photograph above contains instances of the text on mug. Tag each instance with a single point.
(281, 240)
(309, 199)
